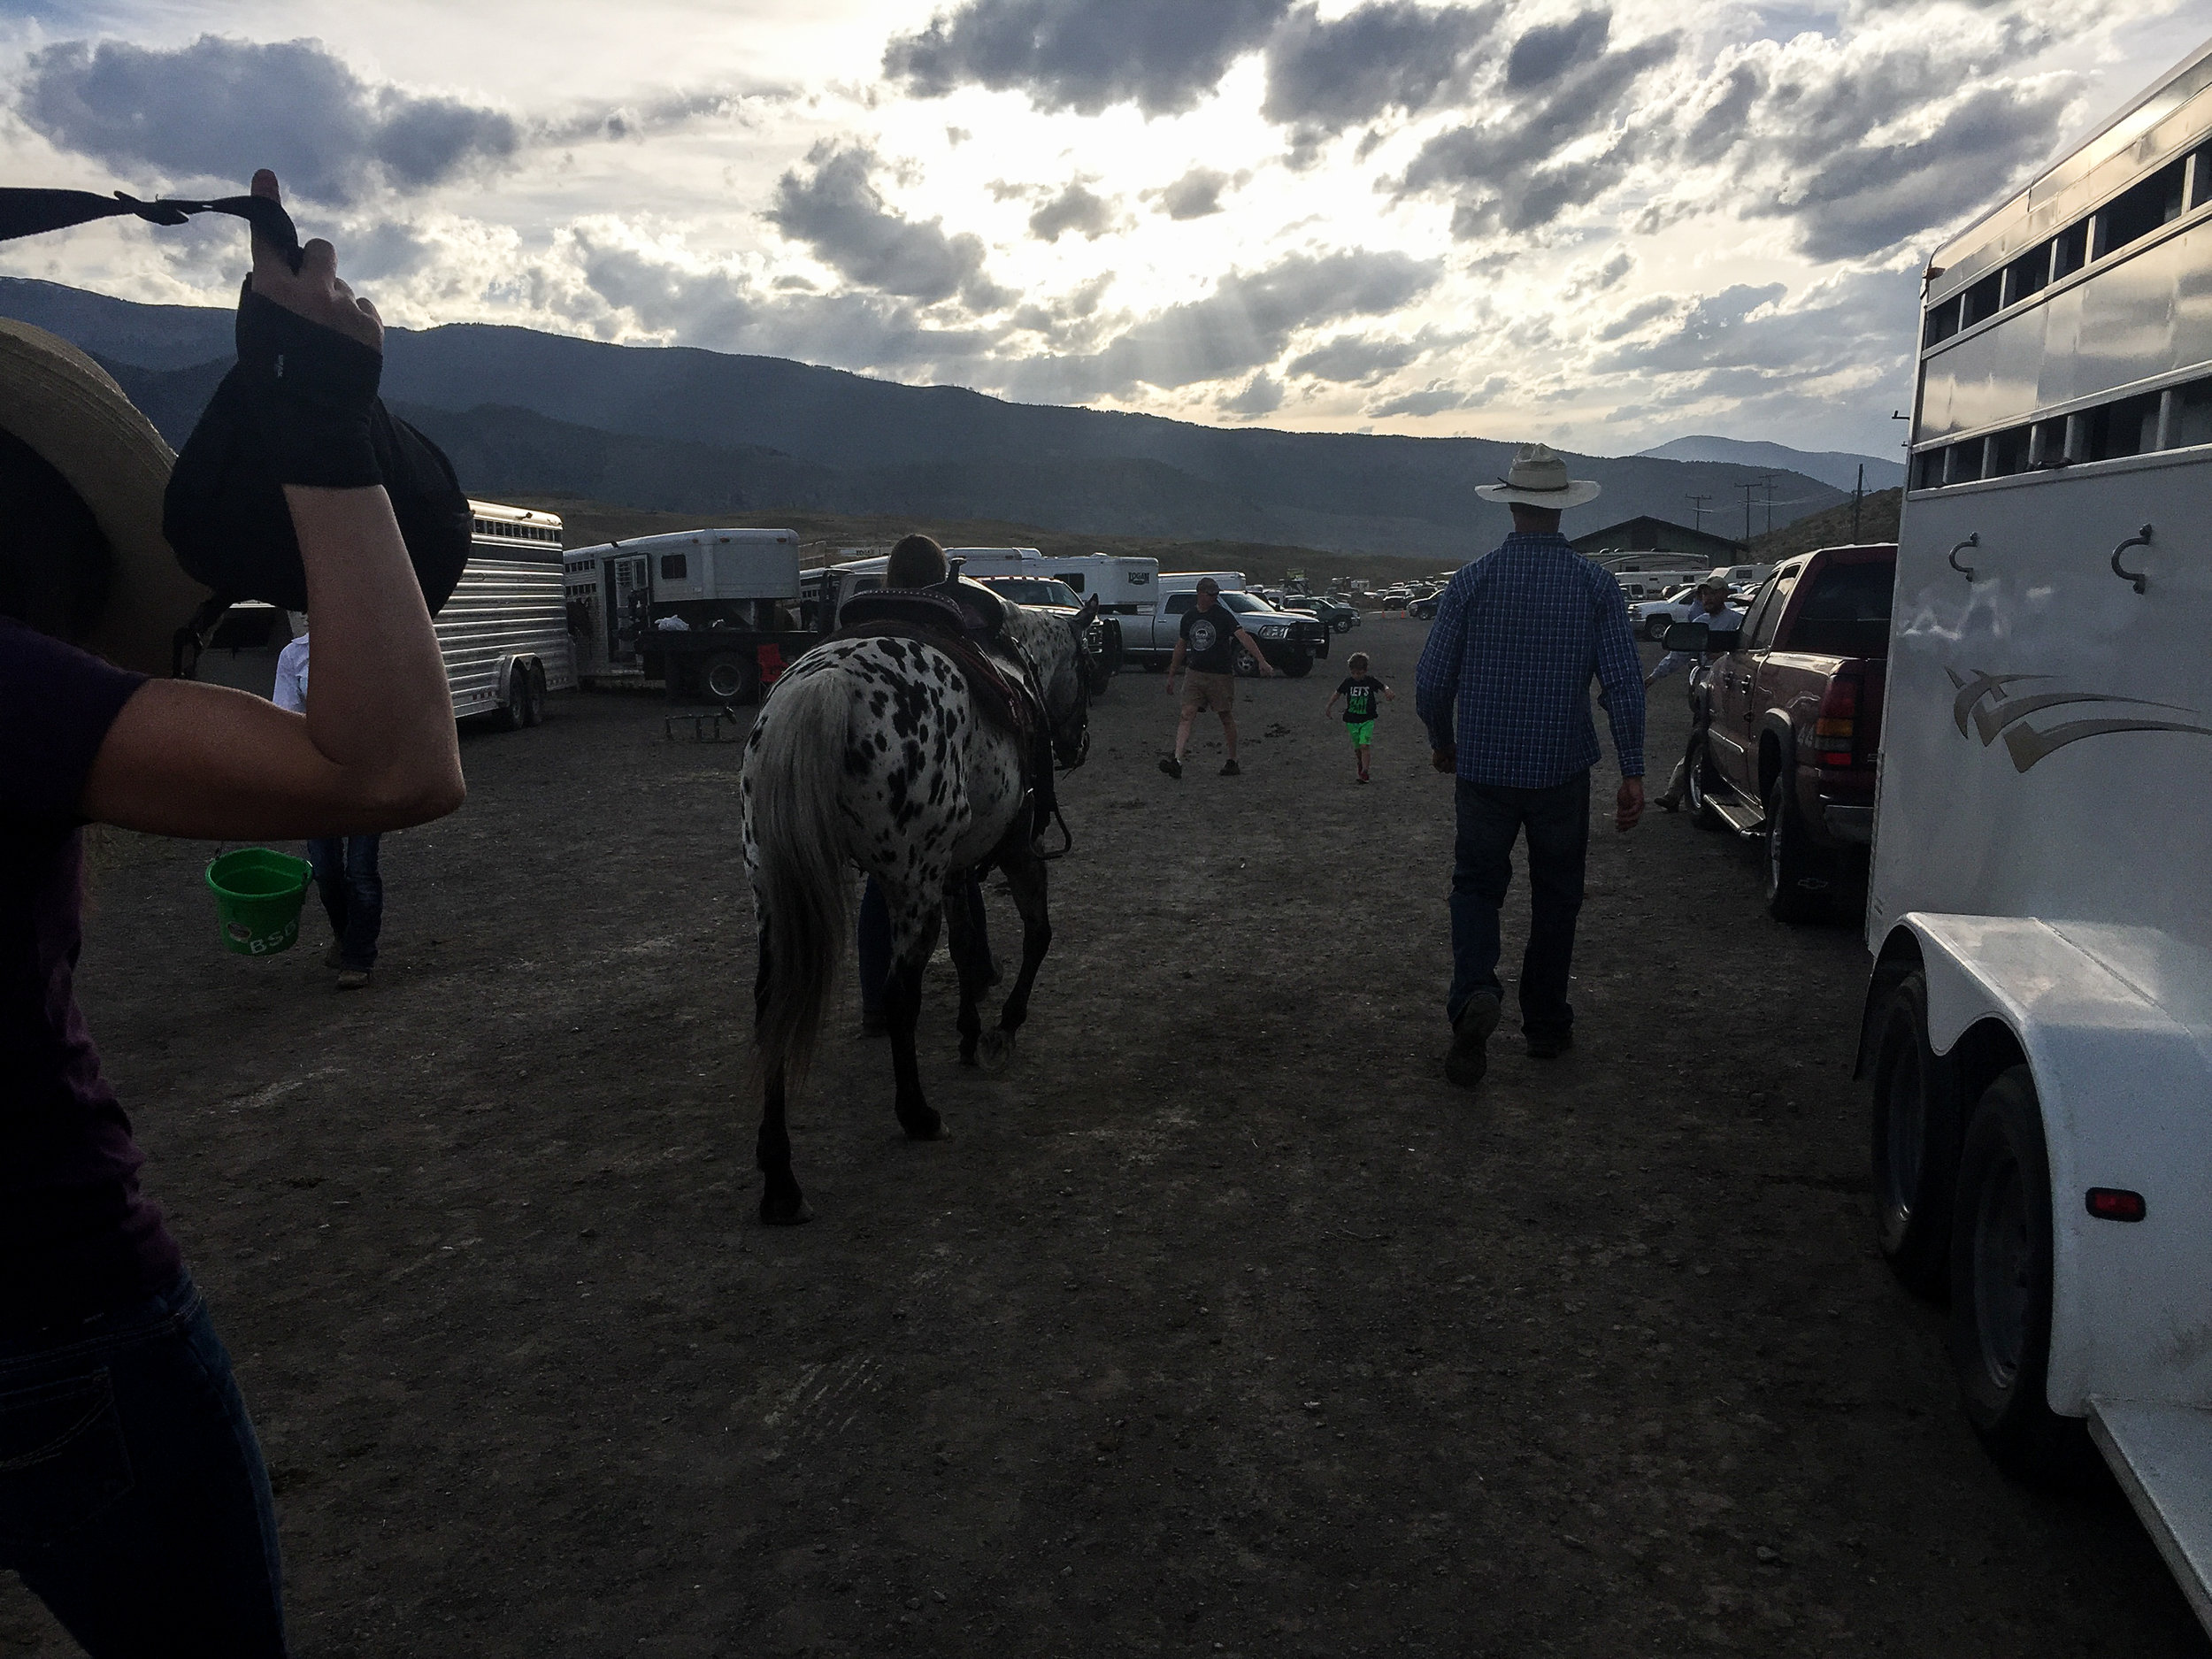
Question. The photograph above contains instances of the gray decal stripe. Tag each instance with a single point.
(1993, 717)
(2028, 745)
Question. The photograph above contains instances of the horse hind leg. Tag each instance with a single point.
(915, 919)
(781, 1202)
(972, 959)
(1026, 876)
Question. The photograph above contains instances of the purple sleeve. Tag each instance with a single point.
(56, 705)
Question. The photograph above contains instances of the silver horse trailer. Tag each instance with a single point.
(504, 633)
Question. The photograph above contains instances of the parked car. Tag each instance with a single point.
(1792, 718)
(1340, 617)
(1292, 641)
(1651, 619)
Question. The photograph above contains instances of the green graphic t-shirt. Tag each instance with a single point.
(1359, 698)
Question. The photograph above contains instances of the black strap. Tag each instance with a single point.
(29, 212)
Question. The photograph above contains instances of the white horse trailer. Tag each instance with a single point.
(505, 632)
(2038, 1025)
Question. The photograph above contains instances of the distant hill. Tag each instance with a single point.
(1838, 468)
(702, 431)
(1878, 516)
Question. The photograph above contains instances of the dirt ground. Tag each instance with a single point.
(1222, 1324)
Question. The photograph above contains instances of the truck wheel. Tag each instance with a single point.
(2000, 1290)
(1246, 668)
(1344, 624)
(1796, 884)
(730, 677)
(1655, 630)
(1916, 1140)
(1298, 667)
(514, 713)
(1701, 783)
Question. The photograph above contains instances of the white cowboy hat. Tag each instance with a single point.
(1539, 479)
(64, 406)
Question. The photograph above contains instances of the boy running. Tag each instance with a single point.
(1359, 690)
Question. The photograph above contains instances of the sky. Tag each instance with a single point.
(1601, 226)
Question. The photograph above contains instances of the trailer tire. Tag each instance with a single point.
(514, 713)
(534, 715)
(730, 677)
(1916, 1140)
(2000, 1270)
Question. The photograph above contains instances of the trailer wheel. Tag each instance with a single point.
(535, 714)
(514, 713)
(2000, 1291)
(730, 677)
(1796, 888)
(1915, 1124)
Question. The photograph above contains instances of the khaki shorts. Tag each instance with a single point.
(1217, 692)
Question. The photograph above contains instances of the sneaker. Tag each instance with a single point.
(1171, 765)
(1229, 767)
(1549, 1045)
(1469, 1056)
(352, 978)
(1361, 779)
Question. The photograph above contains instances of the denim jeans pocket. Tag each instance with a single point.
(63, 1459)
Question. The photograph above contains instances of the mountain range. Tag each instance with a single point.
(524, 413)
(1838, 468)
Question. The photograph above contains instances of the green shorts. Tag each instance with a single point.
(1363, 732)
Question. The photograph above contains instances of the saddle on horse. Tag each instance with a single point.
(963, 620)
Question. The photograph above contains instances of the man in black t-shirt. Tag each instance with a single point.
(1210, 637)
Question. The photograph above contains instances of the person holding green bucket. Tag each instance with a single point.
(134, 1501)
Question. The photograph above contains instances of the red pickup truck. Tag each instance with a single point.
(1792, 719)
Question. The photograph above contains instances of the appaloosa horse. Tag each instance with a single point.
(874, 752)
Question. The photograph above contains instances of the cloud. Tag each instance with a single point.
(1245, 323)
(837, 212)
(1589, 279)
(1263, 395)
(1163, 56)
(1196, 194)
(218, 108)
(1516, 174)
(1543, 54)
(1432, 399)
(1074, 208)
(1356, 359)
(1385, 55)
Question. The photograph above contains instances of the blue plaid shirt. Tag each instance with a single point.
(1517, 635)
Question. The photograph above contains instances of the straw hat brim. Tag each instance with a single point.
(1578, 491)
(64, 406)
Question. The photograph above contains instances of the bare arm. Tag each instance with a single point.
(1175, 664)
(1329, 706)
(377, 749)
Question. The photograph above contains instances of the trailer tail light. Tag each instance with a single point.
(2116, 1203)
(1835, 728)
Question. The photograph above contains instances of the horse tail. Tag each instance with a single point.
(800, 883)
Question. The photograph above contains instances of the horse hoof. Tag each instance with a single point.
(932, 1130)
(998, 1049)
(785, 1209)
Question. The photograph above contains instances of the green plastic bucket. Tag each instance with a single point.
(258, 898)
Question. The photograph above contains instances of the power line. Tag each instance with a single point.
(1697, 510)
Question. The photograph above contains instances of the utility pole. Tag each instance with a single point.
(1769, 482)
(1747, 489)
(1697, 510)
(1858, 493)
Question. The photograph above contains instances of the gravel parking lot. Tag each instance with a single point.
(1221, 1324)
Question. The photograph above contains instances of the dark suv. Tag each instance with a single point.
(1792, 715)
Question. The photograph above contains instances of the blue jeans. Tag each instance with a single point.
(1491, 817)
(353, 894)
(872, 944)
(132, 1498)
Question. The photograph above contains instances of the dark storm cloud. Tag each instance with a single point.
(1076, 209)
(836, 211)
(217, 109)
(1263, 395)
(1244, 324)
(1387, 55)
(1163, 56)
(1505, 173)
(1544, 54)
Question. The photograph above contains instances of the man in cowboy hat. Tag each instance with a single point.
(1722, 619)
(1504, 687)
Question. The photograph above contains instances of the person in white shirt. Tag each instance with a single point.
(346, 873)
(1719, 618)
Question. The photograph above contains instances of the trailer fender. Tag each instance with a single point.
(2125, 1090)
